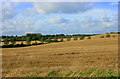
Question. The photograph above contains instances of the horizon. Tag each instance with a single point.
(64, 34)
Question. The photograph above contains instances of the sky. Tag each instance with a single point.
(19, 18)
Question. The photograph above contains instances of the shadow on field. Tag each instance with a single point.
(20, 45)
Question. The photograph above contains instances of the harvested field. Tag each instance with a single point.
(63, 57)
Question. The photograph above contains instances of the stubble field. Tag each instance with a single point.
(70, 58)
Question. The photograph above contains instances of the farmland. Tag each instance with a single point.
(69, 58)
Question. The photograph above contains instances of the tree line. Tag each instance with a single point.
(11, 40)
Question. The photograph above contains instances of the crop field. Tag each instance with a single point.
(77, 58)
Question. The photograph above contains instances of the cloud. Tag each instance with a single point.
(8, 10)
(57, 20)
(54, 24)
(114, 3)
(62, 7)
(104, 20)
(60, 0)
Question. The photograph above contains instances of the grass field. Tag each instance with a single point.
(89, 57)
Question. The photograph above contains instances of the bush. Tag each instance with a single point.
(82, 37)
(48, 40)
(68, 38)
(108, 36)
(6, 41)
(89, 37)
(28, 41)
(107, 33)
(42, 39)
(55, 39)
(101, 36)
(13, 41)
(61, 40)
(113, 32)
(75, 38)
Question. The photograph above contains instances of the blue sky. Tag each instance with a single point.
(61, 17)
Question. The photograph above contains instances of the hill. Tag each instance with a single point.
(64, 57)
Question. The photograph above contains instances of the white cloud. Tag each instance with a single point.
(70, 21)
(93, 21)
(62, 7)
(114, 3)
(57, 20)
(81, 23)
(8, 10)
(60, 0)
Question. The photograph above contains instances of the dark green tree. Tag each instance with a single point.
(28, 41)
(34, 38)
(61, 40)
(75, 38)
(22, 40)
(89, 37)
(101, 36)
(49, 40)
(42, 39)
(39, 35)
(108, 36)
(6, 41)
(55, 39)
(107, 33)
(13, 41)
(82, 37)
(68, 38)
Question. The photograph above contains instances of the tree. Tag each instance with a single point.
(6, 41)
(101, 36)
(13, 41)
(75, 38)
(49, 40)
(68, 38)
(34, 38)
(55, 39)
(42, 39)
(22, 41)
(36, 35)
(108, 36)
(107, 33)
(113, 32)
(39, 35)
(28, 40)
(89, 37)
(82, 37)
(61, 40)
